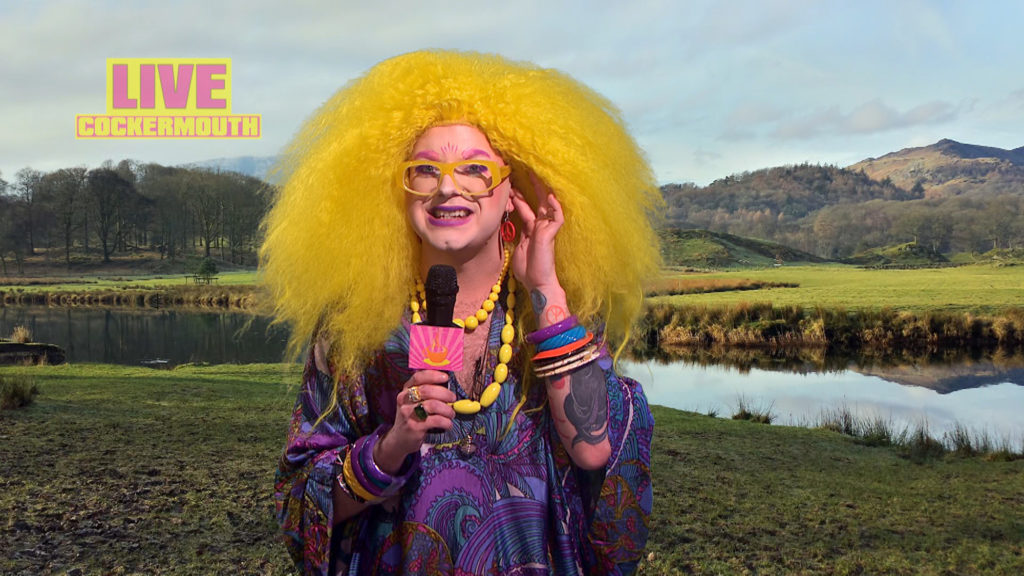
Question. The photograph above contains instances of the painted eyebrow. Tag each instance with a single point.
(427, 155)
(475, 152)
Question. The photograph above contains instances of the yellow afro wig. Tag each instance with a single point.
(339, 256)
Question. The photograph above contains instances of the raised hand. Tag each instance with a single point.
(533, 261)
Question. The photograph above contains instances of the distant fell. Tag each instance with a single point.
(771, 196)
(255, 166)
(705, 249)
(950, 168)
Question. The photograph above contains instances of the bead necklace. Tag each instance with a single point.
(508, 332)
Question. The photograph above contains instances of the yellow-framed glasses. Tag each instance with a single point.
(471, 177)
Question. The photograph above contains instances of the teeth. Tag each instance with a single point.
(450, 215)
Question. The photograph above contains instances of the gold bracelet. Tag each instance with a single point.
(353, 482)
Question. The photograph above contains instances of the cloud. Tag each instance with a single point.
(870, 117)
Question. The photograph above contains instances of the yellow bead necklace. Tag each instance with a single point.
(508, 334)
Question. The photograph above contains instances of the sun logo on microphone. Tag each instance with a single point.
(432, 347)
(437, 354)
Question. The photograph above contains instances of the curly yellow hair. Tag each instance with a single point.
(339, 256)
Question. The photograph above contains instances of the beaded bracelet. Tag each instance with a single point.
(558, 340)
(556, 328)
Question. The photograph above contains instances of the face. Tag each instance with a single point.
(450, 221)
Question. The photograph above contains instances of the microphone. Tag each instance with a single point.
(436, 344)
(441, 288)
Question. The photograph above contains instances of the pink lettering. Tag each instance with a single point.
(147, 87)
(121, 99)
(206, 84)
(175, 90)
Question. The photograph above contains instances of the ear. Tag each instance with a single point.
(509, 206)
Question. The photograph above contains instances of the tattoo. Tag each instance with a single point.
(586, 406)
(538, 300)
(556, 314)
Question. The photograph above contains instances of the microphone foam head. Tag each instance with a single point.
(441, 280)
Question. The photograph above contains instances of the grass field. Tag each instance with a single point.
(98, 283)
(120, 470)
(979, 289)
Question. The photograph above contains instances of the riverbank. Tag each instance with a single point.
(840, 308)
(230, 290)
(123, 470)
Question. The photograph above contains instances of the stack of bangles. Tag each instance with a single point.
(363, 481)
(562, 348)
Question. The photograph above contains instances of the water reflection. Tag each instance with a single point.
(136, 336)
(798, 396)
(976, 387)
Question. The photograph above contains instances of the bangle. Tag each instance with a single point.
(568, 348)
(558, 340)
(558, 362)
(354, 484)
(359, 468)
(580, 361)
(343, 484)
(383, 483)
(556, 328)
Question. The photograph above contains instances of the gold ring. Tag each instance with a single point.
(413, 395)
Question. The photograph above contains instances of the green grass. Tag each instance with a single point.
(125, 470)
(979, 289)
(100, 283)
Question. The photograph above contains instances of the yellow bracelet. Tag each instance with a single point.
(353, 482)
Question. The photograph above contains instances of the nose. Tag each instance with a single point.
(447, 186)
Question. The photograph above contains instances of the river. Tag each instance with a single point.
(983, 394)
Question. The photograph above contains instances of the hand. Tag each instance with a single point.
(408, 432)
(533, 262)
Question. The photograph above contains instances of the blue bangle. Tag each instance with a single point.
(558, 340)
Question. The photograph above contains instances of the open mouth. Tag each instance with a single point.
(449, 213)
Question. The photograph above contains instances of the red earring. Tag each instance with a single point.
(508, 230)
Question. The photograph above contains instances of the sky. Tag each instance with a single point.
(708, 89)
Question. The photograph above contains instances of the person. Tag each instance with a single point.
(534, 457)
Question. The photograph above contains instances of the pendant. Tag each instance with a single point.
(466, 446)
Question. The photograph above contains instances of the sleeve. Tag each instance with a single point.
(620, 514)
(307, 471)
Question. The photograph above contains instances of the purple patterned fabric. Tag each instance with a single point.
(516, 506)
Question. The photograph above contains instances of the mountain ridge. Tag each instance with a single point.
(948, 168)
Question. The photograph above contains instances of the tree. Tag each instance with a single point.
(204, 190)
(207, 269)
(107, 190)
(65, 189)
(13, 236)
(27, 186)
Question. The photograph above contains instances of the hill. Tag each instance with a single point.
(706, 249)
(783, 192)
(949, 168)
(909, 255)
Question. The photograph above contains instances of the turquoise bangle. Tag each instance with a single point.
(558, 340)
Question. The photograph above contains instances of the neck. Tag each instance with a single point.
(476, 273)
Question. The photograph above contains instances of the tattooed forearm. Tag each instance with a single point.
(538, 300)
(586, 406)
